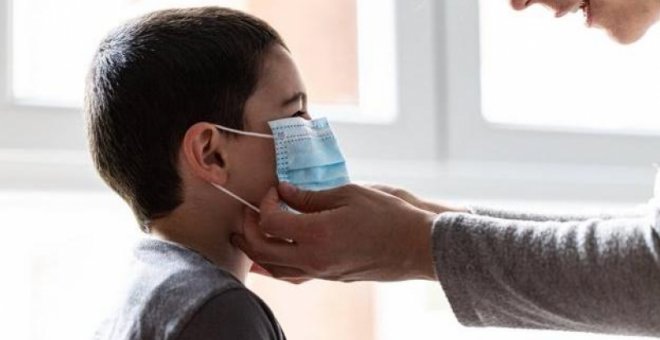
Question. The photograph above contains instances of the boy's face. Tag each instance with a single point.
(280, 93)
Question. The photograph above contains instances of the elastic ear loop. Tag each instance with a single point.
(250, 205)
(247, 133)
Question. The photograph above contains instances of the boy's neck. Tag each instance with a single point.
(206, 233)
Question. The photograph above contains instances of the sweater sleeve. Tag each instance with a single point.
(594, 275)
(559, 217)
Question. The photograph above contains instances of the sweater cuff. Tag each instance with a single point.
(451, 261)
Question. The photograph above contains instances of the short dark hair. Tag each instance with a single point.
(154, 77)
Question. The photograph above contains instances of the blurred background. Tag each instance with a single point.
(463, 101)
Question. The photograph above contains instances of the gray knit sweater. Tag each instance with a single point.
(595, 274)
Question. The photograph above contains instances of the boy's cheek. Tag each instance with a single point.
(265, 178)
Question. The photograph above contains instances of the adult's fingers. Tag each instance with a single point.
(289, 274)
(258, 246)
(313, 201)
(357, 233)
(271, 202)
(280, 223)
(259, 251)
(300, 278)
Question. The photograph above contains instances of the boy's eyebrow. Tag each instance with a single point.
(296, 97)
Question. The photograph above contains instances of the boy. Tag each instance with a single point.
(164, 93)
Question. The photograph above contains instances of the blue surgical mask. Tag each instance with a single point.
(306, 152)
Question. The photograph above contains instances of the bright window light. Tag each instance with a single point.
(344, 48)
(64, 258)
(542, 72)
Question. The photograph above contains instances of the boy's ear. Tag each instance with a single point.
(204, 151)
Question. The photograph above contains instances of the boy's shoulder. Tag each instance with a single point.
(174, 292)
(233, 314)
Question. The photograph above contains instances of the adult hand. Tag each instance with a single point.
(416, 201)
(351, 233)
(257, 269)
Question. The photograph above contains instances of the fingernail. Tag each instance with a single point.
(287, 189)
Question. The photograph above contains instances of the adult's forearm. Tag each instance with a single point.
(596, 275)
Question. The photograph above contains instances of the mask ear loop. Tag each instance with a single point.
(236, 197)
(246, 133)
(250, 205)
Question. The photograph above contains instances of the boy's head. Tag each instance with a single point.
(157, 86)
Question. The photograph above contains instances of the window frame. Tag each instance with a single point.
(5, 24)
(4, 46)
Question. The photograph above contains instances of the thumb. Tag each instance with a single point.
(270, 203)
(313, 201)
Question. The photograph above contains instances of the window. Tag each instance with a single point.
(335, 44)
(569, 118)
(360, 83)
(65, 249)
(547, 73)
